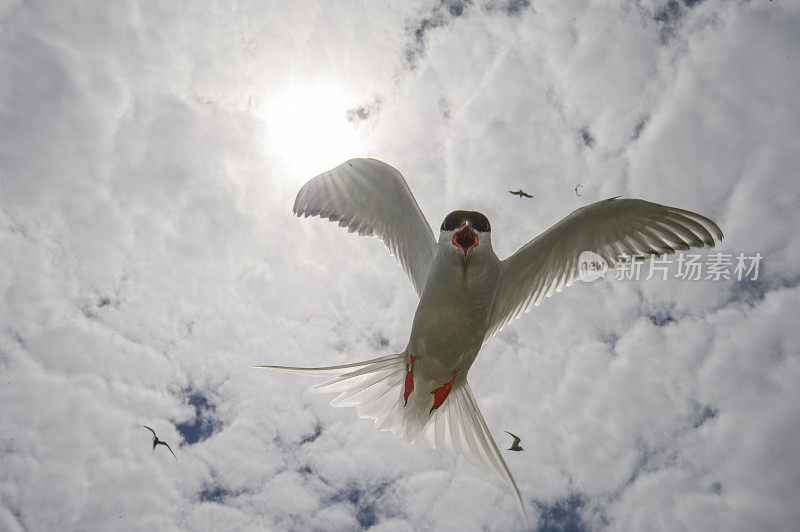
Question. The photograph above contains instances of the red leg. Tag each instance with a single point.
(409, 387)
(441, 393)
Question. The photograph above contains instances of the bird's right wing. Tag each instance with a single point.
(610, 228)
(372, 198)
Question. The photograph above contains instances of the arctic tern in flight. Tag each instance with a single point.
(515, 445)
(521, 193)
(466, 294)
(156, 441)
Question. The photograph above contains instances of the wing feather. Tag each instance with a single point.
(371, 198)
(610, 228)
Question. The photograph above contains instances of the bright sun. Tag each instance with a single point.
(308, 129)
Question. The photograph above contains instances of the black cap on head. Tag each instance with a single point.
(478, 221)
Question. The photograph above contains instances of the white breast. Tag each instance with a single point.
(453, 312)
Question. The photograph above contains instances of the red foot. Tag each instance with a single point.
(409, 381)
(441, 393)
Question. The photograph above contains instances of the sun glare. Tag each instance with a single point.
(308, 129)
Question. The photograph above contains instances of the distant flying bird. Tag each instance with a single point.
(576, 189)
(514, 446)
(521, 193)
(466, 294)
(156, 441)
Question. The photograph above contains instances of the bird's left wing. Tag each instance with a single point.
(610, 228)
(372, 198)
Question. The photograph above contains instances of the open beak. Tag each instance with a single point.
(465, 239)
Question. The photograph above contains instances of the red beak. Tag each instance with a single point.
(465, 239)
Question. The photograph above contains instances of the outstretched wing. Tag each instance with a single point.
(151, 430)
(611, 228)
(168, 447)
(372, 198)
(516, 438)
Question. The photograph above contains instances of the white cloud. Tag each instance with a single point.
(147, 248)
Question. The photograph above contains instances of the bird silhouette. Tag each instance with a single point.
(521, 193)
(514, 446)
(156, 441)
(576, 189)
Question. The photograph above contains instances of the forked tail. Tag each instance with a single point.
(375, 388)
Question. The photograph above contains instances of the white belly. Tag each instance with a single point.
(453, 315)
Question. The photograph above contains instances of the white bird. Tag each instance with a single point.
(466, 294)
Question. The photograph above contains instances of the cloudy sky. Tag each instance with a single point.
(150, 153)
